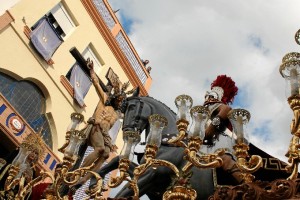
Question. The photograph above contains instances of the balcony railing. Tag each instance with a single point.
(131, 57)
(104, 12)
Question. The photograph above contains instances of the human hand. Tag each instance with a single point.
(90, 64)
(91, 120)
(210, 131)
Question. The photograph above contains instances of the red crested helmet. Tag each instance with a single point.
(225, 89)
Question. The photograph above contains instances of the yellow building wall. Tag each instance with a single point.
(21, 61)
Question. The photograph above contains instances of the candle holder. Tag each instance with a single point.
(157, 123)
(200, 114)
(20, 173)
(131, 139)
(290, 71)
(183, 103)
(63, 175)
(238, 118)
(76, 120)
(297, 37)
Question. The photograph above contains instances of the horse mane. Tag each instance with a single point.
(166, 112)
(161, 103)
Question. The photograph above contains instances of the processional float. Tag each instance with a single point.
(19, 182)
(194, 138)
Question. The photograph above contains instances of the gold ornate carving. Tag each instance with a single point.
(180, 192)
(123, 167)
(34, 142)
(132, 134)
(293, 153)
(247, 167)
(159, 118)
(182, 126)
(182, 97)
(150, 162)
(276, 190)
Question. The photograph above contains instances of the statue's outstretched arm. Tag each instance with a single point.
(95, 82)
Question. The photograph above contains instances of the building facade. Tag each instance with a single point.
(37, 94)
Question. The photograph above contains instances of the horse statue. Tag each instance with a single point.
(154, 182)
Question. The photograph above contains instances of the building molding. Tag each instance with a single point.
(111, 42)
(65, 82)
(18, 135)
(5, 20)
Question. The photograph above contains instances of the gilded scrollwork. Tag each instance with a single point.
(276, 190)
(293, 153)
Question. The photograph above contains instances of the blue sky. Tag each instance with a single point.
(126, 22)
(189, 43)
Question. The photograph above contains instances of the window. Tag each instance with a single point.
(30, 102)
(61, 20)
(79, 77)
(89, 53)
(45, 39)
(50, 31)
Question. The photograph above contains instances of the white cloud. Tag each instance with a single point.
(190, 42)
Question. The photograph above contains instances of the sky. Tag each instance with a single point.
(189, 43)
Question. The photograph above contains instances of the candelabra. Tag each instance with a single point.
(290, 70)
(157, 124)
(200, 115)
(131, 139)
(238, 118)
(20, 172)
(63, 174)
(19, 181)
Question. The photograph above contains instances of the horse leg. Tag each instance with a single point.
(144, 184)
(112, 165)
(229, 166)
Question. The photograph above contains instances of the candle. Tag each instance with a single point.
(239, 129)
(182, 109)
(294, 82)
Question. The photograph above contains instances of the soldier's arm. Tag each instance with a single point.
(211, 130)
(223, 111)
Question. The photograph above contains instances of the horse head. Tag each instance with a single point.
(138, 109)
(136, 113)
